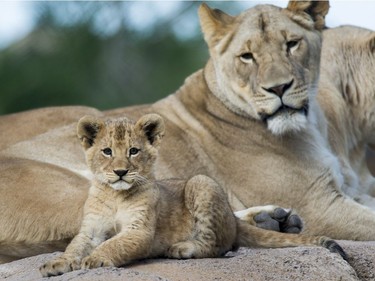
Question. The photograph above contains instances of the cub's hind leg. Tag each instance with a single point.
(272, 217)
(214, 230)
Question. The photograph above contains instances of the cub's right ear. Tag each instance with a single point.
(87, 129)
(152, 127)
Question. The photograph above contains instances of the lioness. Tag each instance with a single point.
(143, 218)
(249, 119)
(347, 97)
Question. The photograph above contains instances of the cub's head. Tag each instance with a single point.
(265, 62)
(121, 153)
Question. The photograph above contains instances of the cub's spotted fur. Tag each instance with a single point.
(129, 216)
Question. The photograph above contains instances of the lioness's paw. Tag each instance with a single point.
(272, 218)
(281, 220)
(58, 266)
(182, 250)
(95, 261)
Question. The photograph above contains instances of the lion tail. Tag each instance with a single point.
(252, 236)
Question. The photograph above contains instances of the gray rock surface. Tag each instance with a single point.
(302, 263)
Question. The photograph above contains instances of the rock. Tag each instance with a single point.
(302, 263)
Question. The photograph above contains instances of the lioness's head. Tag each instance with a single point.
(121, 153)
(265, 62)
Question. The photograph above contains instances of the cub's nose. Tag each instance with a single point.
(120, 173)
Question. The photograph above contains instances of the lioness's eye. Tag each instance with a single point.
(291, 45)
(107, 151)
(133, 151)
(246, 57)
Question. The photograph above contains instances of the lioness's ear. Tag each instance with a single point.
(371, 43)
(152, 127)
(87, 129)
(214, 23)
(316, 10)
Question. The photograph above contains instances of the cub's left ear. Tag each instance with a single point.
(152, 127)
(316, 10)
(87, 130)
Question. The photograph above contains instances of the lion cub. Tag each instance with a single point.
(129, 216)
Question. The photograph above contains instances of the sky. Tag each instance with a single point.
(17, 17)
(16, 21)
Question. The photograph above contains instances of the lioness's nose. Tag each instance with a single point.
(120, 173)
(279, 90)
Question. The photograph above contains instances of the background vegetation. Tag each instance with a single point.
(92, 53)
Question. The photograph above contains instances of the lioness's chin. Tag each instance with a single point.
(121, 185)
(286, 122)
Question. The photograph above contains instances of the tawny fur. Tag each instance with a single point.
(221, 123)
(128, 216)
(347, 97)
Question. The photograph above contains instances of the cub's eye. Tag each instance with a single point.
(292, 45)
(247, 57)
(107, 151)
(133, 151)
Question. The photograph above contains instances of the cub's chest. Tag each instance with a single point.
(135, 210)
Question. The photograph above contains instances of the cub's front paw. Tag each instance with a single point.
(95, 262)
(59, 266)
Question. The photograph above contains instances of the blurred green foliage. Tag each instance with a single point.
(67, 60)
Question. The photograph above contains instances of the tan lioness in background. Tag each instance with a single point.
(249, 119)
(347, 96)
(128, 216)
